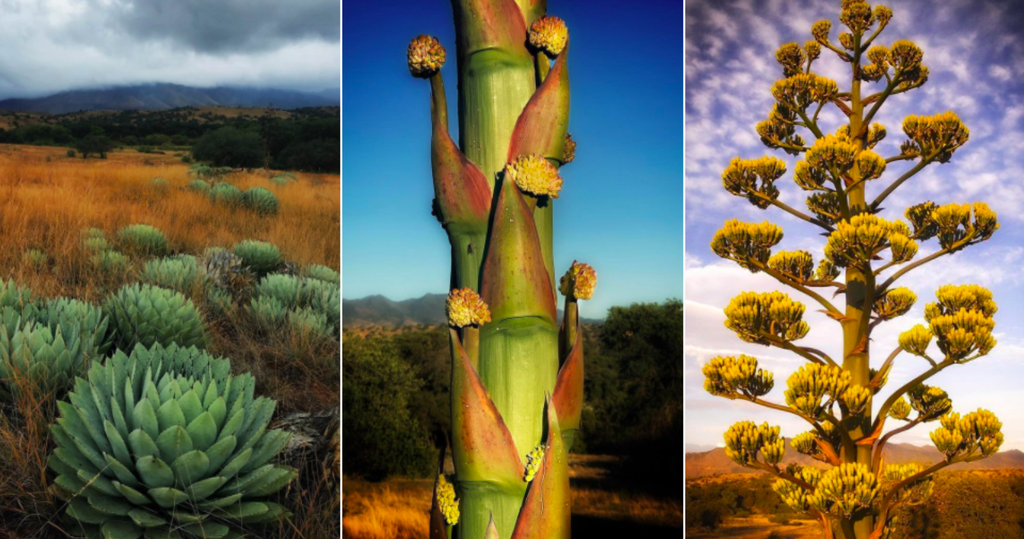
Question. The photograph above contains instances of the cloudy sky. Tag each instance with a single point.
(54, 45)
(975, 51)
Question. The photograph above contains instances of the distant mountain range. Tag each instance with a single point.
(159, 96)
(378, 310)
(715, 462)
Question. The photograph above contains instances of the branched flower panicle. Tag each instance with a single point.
(845, 490)
(920, 217)
(736, 376)
(799, 91)
(813, 51)
(900, 409)
(534, 175)
(939, 135)
(533, 461)
(754, 179)
(792, 59)
(779, 131)
(578, 282)
(894, 303)
(446, 501)
(862, 238)
(956, 229)
(765, 318)
(425, 56)
(962, 320)
(746, 242)
(820, 31)
(813, 382)
(929, 402)
(465, 308)
(905, 55)
(916, 340)
(799, 265)
(856, 16)
(976, 432)
(549, 34)
(745, 440)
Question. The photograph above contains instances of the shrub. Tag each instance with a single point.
(71, 153)
(175, 273)
(259, 256)
(144, 240)
(96, 245)
(225, 193)
(260, 201)
(325, 298)
(279, 180)
(186, 159)
(146, 314)
(93, 232)
(193, 456)
(96, 144)
(309, 325)
(199, 186)
(231, 147)
(321, 273)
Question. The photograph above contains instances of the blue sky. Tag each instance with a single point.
(975, 51)
(621, 207)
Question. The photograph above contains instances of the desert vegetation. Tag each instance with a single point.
(168, 358)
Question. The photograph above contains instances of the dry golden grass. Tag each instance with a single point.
(395, 510)
(47, 199)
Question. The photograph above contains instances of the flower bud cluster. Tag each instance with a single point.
(856, 16)
(955, 224)
(825, 206)
(813, 382)
(799, 91)
(444, 492)
(578, 282)
(754, 179)
(979, 431)
(845, 490)
(792, 57)
(465, 308)
(894, 302)
(929, 402)
(860, 239)
(938, 135)
(745, 440)
(534, 175)
(425, 56)
(549, 35)
(798, 265)
(744, 243)
(836, 154)
(736, 376)
(916, 340)
(763, 318)
(915, 492)
(920, 217)
(778, 130)
(533, 461)
(794, 495)
(962, 320)
(900, 409)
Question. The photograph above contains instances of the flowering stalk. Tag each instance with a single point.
(517, 378)
(855, 497)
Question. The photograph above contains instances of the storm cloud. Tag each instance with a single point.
(56, 45)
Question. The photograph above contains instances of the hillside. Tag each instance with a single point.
(378, 310)
(162, 96)
(715, 462)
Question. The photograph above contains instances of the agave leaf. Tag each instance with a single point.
(542, 125)
(546, 509)
(485, 450)
(120, 529)
(460, 188)
(145, 519)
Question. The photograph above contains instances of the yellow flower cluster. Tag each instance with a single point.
(799, 91)
(425, 56)
(912, 79)
(876, 132)
(920, 217)
(895, 302)
(905, 55)
(846, 40)
(756, 317)
(856, 16)
(820, 30)
(792, 495)
(900, 409)
(745, 440)
(792, 57)
(954, 224)
(962, 320)
(916, 340)
(778, 130)
(845, 490)
(733, 376)
(825, 206)
(534, 175)
(754, 179)
(569, 153)
(813, 50)
(930, 402)
(796, 264)
(446, 502)
(861, 238)
(578, 282)
(813, 382)
(533, 460)
(465, 308)
(836, 154)
(940, 134)
(745, 242)
(806, 443)
(549, 34)
(883, 15)
(979, 431)
(856, 398)
(915, 492)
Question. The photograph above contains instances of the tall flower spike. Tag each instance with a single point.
(534, 175)
(425, 56)
(578, 282)
(548, 34)
(746, 242)
(465, 308)
(754, 179)
(762, 318)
